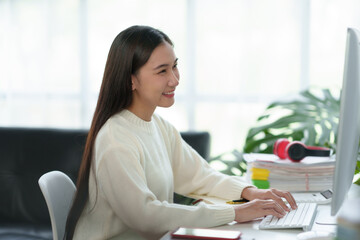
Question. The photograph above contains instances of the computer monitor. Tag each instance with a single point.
(349, 122)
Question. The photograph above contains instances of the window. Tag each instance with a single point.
(235, 57)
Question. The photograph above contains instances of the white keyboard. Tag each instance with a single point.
(302, 217)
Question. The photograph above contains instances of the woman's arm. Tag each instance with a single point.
(193, 175)
(122, 182)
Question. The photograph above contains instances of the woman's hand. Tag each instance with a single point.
(252, 193)
(257, 208)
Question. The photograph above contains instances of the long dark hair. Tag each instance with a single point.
(129, 51)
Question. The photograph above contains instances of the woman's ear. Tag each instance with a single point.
(133, 80)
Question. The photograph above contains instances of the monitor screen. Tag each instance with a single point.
(349, 122)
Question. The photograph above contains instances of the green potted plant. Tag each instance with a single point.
(311, 117)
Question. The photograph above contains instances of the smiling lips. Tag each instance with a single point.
(169, 94)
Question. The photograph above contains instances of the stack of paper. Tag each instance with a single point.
(310, 174)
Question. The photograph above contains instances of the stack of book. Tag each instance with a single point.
(310, 174)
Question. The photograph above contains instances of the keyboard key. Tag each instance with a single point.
(274, 220)
(309, 218)
(296, 219)
(289, 218)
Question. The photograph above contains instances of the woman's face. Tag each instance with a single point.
(155, 82)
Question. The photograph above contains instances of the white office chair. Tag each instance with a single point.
(58, 190)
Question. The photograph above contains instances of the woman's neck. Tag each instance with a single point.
(144, 114)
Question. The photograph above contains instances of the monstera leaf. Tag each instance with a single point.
(311, 117)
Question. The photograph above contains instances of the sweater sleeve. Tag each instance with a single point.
(193, 174)
(122, 181)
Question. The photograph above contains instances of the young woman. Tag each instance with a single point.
(134, 160)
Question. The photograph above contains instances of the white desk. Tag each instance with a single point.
(250, 230)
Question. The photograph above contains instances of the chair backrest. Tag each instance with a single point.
(200, 141)
(58, 190)
(25, 155)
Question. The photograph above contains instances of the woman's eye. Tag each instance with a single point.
(163, 71)
(175, 66)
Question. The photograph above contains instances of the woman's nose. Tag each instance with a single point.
(174, 79)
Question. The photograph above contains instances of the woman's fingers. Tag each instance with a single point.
(273, 212)
(287, 195)
(274, 194)
(267, 202)
(258, 208)
(275, 208)
(279, 201)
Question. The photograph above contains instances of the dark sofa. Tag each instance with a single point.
(28, 153)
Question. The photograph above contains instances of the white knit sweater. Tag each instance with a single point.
(138, 167)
